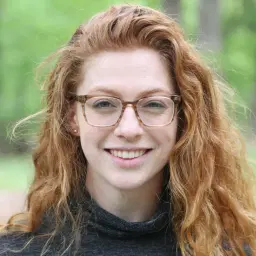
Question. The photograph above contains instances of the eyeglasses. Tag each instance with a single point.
(107, 111)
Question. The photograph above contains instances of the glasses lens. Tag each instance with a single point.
(103, 111)
(156, 110)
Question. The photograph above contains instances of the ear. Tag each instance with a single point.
(73, 120)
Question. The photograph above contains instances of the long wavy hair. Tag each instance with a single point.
(212, 184)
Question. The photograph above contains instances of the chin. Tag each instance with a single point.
(127, 183)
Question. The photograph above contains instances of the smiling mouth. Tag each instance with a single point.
(127, 154)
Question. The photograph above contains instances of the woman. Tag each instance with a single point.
(137, 153)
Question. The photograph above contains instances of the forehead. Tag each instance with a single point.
(127, 72)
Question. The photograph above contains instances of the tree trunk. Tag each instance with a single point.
(172, 8)
(209, 34)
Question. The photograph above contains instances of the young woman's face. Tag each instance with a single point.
(128, 75)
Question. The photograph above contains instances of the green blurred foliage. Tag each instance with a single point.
(31, 30)
(239, 49)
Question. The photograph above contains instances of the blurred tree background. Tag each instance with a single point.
(224, 31)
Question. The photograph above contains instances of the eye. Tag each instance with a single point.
(104, 104)
(154, 104)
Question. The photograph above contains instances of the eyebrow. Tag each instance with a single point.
(103, 89)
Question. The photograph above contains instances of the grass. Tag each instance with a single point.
(16, 172)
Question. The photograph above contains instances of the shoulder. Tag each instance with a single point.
(31, 244)
(20, 243)
(10, 241)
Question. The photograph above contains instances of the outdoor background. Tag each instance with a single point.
(223, 31)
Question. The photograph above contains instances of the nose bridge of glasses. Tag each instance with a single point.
(133, 106)
(129, 104)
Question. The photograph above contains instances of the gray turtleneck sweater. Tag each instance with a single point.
(104, 234)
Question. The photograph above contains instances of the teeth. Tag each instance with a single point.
(127, 154)
(137, 153)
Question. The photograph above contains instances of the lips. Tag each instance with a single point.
(131, 159)
(127, 154)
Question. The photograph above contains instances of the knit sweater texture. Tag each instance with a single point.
(101, 234)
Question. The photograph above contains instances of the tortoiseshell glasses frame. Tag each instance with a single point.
(175, 99)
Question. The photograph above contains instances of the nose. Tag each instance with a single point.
(129, 126)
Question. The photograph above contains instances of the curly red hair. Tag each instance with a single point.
(212, 185)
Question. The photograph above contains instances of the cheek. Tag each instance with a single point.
(88, 137)
(166, 137)
(87, 132)
(92, 138)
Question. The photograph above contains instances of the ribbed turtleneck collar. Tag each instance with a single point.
(93, 216)
(102, 221)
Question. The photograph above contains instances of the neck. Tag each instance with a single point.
(134, 205)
